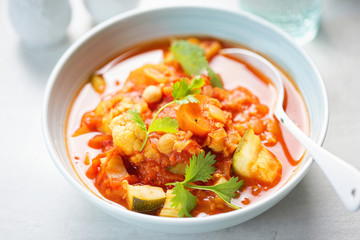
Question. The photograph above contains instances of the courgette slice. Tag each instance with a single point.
(145, 198)
(168, 210)
(178, 168)
(252, 160)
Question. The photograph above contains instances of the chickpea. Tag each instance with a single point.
(166, 143)
(152, 94)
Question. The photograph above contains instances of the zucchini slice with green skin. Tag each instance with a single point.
(145, 198)
(252, 160)
(168, 210)
(178, 169)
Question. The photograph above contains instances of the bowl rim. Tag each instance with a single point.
(281, 192)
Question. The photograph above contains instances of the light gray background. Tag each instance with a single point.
(36, 202)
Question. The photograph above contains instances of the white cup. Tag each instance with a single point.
(40, 23)
(101, 10)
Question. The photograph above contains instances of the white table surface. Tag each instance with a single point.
(36, 202)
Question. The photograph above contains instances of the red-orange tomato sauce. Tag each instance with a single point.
(248, 101)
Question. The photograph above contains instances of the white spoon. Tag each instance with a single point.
(344, 178)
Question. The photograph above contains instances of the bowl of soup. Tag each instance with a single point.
(150, 122)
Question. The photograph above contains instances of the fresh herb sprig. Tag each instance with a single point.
(183, 93)
(167, 124)
(192, 59)
(200, 169)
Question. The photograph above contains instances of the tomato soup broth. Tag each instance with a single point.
(239, 80)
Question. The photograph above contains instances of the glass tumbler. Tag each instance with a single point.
(299, 18)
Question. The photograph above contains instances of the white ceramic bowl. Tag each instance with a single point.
(123, 31)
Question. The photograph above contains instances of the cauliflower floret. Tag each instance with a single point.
(106, 105)
(149, 152)
(121, 107)
(110, 108)
(138, 158)
(130, 103)
(105, 122)
(127, 135)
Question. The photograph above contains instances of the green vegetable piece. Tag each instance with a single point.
(145, 198)
(227, 189)
(214, 78)
(178, 168)
(168, 210)
(192, 59)
(184, 199)
(251, 159)
(201, 169)
(135, 117)
(190, 56)
(167, 125)
(183, 93)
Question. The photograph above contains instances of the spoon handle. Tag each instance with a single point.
(344, 178)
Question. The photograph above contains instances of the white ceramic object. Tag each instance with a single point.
(40, 23)
(344, 178)
(135, 27)
(101, 10)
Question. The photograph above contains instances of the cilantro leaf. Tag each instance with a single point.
(184, 198)
(214, 78)
(186, 100)
(195, 85)
(183, 93)
(227, 189)
(192, 59)
(224, 190)
(179, 89)
(167, 125)
(190, 56)
(183, 89)
(200, 167)
(135, 117)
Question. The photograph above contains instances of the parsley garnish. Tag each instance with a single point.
(192, 59)
(183, 93)
(168, 125)
(200, 169)
(135, 117)
(190, 56)
(184, 198)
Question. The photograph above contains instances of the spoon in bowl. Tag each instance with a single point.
(344, 178)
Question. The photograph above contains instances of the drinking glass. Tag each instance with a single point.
(299, 18)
